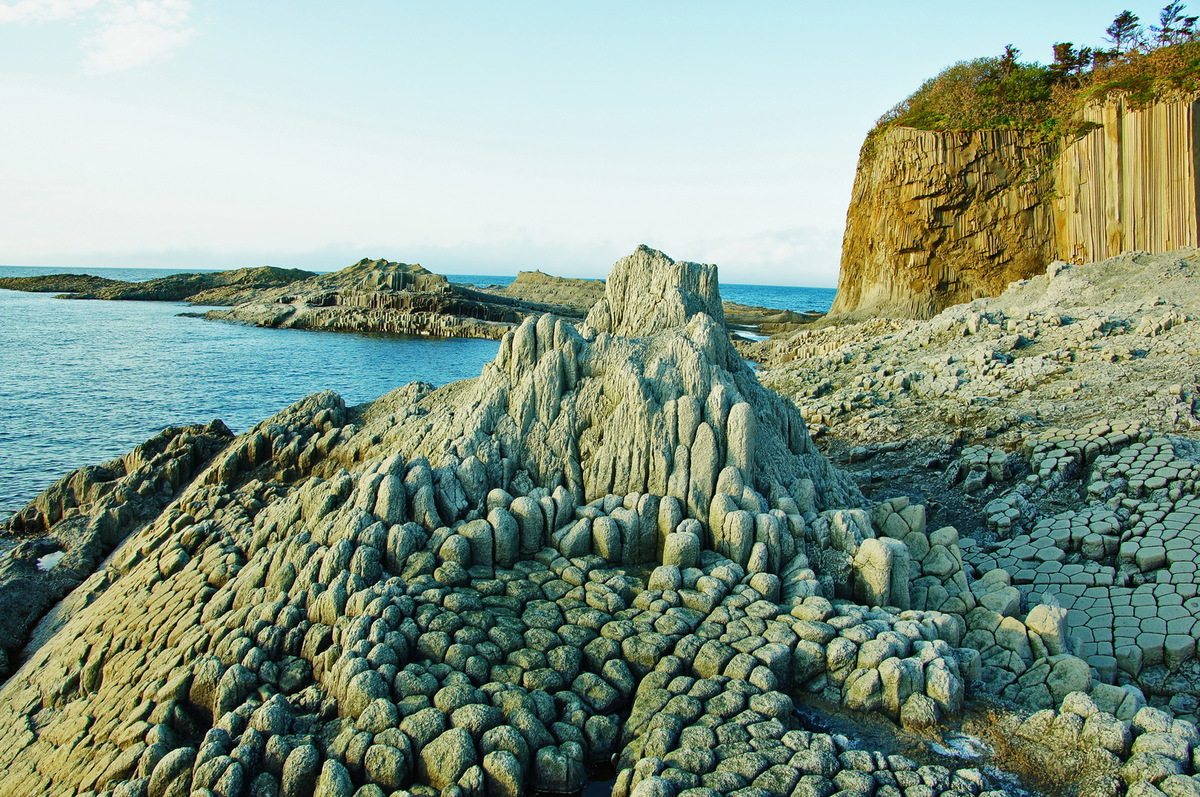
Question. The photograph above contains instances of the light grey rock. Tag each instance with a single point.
(334, 780)
(444, 760)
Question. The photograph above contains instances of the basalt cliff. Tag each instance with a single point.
(613, 547)
(941, 218)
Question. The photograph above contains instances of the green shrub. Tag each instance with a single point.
(1002, 93)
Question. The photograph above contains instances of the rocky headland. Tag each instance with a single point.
(378, 296)
(615, 545)
(218, 287)
(59, 283)
(567, 296)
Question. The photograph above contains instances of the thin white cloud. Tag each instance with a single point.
(798, 256)
(30, 11)
(121, 33)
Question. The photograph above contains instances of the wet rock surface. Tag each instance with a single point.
(614, 545)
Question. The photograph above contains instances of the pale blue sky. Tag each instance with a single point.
(470, 137)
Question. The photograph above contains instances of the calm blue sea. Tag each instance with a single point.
(82, 382)
(782, 297)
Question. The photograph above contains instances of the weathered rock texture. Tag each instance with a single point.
(1129, 184)
(67, 531)
(575, 297)
(380, 296)
(566, 296)
(1060, 419)
(938, 219)
(613, 544)
(941, 218)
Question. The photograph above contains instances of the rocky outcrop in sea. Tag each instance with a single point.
(613, 547)
(377, 296)
(215, 287)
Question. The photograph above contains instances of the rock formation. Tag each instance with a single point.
(216, 287)
(1129, 184)
(67, 531)
(59, 283)
(938, 219)
(1054, 424)
(380, 296)
(568, 297)
(614, 544)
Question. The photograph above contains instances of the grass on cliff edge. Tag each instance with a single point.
(1003, 94)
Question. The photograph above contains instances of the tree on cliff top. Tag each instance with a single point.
(1002, 93)
(1173, 27)
(1125, 33)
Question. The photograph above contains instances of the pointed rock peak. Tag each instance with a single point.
(648, 292)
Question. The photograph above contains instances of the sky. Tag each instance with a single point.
(470, 137)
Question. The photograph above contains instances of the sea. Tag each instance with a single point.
(84, 381)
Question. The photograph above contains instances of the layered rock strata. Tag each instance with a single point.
(1129, 184)
(613, 544)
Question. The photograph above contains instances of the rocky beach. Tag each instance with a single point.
(616, 547)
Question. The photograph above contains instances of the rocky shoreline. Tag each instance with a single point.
(375, 297)
(616, 545)
(218, 287)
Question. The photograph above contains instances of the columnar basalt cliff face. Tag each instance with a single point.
(1129, 184)
(941, 218)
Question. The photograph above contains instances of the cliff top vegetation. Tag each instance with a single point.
(1002, 92)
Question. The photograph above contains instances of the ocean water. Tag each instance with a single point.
(781, 297)
(82, 382)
